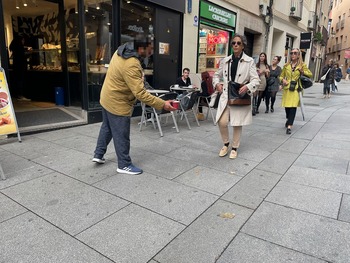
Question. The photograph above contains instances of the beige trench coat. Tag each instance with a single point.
(246, 73)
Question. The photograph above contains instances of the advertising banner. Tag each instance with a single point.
(8, 122)
(347, 54)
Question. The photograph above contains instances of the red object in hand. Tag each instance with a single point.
(175, 104)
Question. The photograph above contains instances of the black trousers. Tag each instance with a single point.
(290, 115)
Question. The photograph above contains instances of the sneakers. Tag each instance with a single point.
(98, 160)
(223, 151)
(233, 154)
(131, 169)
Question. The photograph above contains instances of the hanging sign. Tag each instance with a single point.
(8, 123)
(347, 54)
(305, 40)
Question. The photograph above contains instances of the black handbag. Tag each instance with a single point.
(305, 82)
(234, 98)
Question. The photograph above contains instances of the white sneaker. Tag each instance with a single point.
(98, 160)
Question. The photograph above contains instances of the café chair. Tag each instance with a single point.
(158, 113)
(187, 103)
(204, 102)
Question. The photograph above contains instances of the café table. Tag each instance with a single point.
(155, 92)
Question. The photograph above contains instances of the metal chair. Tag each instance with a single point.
(158, 113)
(187, 102)
(206, 104)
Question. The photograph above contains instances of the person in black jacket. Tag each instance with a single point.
(19, 66)
(329, 70)
(184, 80)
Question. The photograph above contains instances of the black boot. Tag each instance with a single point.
(258, 104)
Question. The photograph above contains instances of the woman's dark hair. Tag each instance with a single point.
(265, 60)
(208, 79)
(278, 58)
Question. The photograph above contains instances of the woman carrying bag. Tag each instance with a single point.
(237, 70)
(289, 79)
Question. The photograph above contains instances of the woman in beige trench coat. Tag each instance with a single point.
(243, 71)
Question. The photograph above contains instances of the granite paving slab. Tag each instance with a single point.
(24, 175)
(133, 234)
(209, 180)
(168, 198)
(205, 239)
(319, 201)
(294, 145)
(28, 238)
(322, 163)
(252, 189)
(314, 235)
(248, 249)
(81, 143)
(344, 213)
(278, 162)
(9, 208)
(69, 204)
(318, 178)
(323, 115)
(8, 159)
(161, 165)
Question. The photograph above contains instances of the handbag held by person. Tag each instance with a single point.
(325, 75)
(234, 98)
(305, 82)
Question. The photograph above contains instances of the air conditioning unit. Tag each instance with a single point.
(263, 7)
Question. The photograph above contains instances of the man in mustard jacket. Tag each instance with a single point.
(122, 86)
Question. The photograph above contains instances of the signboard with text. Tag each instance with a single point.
(218, 14)
(8, 123)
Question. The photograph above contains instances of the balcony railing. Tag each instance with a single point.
(296, 9)
(339, 46)
(342, 22)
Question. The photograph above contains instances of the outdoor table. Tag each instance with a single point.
(155, 92)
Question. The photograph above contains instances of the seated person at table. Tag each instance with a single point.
(184, 80)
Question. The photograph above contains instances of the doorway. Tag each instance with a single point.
(48, 93)
(167, 48)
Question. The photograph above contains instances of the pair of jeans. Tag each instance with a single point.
(118, 128)
(290, 115)
(326, 88)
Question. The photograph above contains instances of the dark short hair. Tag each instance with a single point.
(278, 58)
(185, 70)
(243, 39)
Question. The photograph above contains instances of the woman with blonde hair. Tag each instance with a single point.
(291, 87)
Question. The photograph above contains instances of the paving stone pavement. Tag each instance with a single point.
(286, 198)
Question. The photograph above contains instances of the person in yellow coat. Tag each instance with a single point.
(289, 79)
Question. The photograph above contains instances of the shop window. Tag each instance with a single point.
(137, 26)
(213, 47)
(98, 37)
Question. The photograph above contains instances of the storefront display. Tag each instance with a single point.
(217, 25)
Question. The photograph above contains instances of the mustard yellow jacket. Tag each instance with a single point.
(123, 85)
(290, 99)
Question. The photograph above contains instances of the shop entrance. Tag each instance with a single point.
(167, 48)
(43, 66)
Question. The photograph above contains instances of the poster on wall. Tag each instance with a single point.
(8, 123)
(164, 48)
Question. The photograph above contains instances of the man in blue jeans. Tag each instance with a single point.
(122, 86)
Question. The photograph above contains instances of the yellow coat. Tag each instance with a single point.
(123, 85)
(290, 99)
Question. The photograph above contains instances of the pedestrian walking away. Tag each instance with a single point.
(122, 86)
(273, 83)
(264, 72)
(328, 72)
(337, 76)
(289, 78)
(240, 70)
